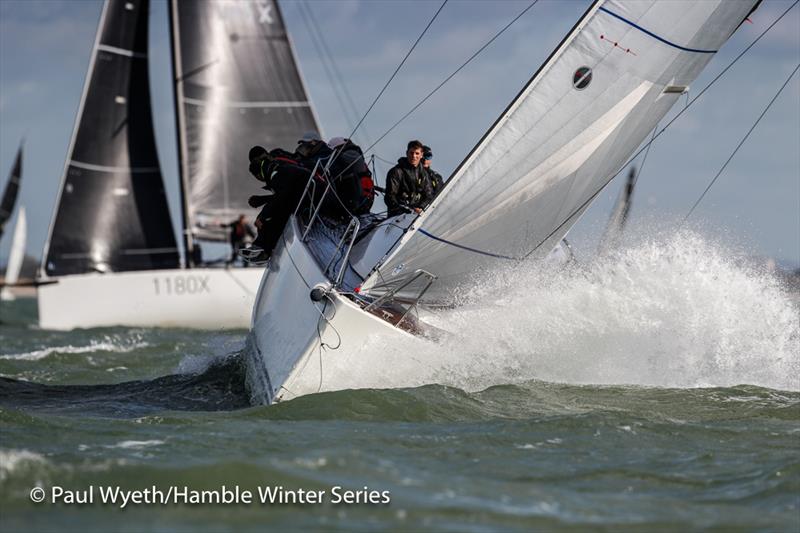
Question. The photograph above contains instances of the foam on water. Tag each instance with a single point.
(12, 460)
(675, 311)
(110, 344)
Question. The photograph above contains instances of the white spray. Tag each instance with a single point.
(669, 312)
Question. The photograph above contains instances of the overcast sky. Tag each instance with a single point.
(755, 205)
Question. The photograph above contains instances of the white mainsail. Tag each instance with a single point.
(579, 119)
(16, 256)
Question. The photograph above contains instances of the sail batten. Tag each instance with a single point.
(561, 140)
(236, 85)
(112, 199)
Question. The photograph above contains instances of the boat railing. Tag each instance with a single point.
(314, 206)
(391, 295)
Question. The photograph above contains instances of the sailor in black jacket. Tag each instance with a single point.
(406, 183)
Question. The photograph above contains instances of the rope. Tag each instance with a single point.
(753, 127)
(448, 78)
(397, 69)
(331, 67)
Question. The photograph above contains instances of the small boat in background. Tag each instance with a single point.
(16, 256)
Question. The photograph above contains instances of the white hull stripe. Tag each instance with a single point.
(195, 101)
(120, 51)
(101, 168)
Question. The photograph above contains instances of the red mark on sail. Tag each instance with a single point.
(617, 45)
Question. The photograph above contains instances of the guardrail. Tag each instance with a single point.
(309, 194)
(390, 294)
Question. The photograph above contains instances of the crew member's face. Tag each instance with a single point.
(414, 156)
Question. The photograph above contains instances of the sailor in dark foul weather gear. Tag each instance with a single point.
(241, 234)
(285, 178)
(406, 183)
(434, 181)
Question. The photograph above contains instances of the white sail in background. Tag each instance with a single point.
(579, 119)
(16, 256)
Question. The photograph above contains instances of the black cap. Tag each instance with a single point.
(427, 153)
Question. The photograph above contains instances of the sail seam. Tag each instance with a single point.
(120, 51)
(653, 35)
(233, 103)
(102, 168)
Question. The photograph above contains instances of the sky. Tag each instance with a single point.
(45, 47)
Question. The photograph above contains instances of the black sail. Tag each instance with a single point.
(112, 213)
(236, 85)
(10, 192)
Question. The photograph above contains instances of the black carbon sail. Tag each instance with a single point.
(236, 85)
(112, 213)
(10, 192)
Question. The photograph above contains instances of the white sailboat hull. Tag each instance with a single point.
(200, 298)
(293, 349)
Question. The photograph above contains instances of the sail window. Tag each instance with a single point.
(129, 6)
(582, 78)
(120, 99)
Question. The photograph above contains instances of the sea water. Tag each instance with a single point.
(653, 388)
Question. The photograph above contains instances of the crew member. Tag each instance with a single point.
(434, 181)
(406, 182)
(241, 234)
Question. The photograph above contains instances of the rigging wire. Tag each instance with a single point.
(688, 105)
(334, 66)
(430, 23)
(321, 48)
(469, 60)
(448, 78)
(753, 127)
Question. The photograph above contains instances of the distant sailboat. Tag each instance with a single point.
(111, 257)
(516, 194)
(16, 256)
(11, 191)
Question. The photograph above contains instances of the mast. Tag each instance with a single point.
(187, 237)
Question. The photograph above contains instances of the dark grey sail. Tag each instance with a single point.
(236, 85)
(10, 192)
(112, 213)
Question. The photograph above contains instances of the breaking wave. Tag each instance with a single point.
(108, 345)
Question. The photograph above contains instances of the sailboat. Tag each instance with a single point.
(536, 170)
(111, 257)
(16, 256)
(10, 192)
(7, 203)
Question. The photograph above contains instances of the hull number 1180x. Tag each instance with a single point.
(179, 285)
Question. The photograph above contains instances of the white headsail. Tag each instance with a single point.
(574, 125)
(16, 256)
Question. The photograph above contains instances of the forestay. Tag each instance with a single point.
(112, 214)
(236, 85)
(615, 75)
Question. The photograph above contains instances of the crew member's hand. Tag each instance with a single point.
(417, 210)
